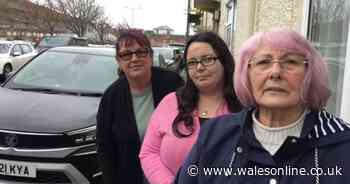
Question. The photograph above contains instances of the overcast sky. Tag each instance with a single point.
(148, 14)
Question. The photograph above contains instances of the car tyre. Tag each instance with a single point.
(7, 69)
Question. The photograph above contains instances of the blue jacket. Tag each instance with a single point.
(228, 152)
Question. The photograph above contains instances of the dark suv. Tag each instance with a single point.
(62, 40)
(48, 116)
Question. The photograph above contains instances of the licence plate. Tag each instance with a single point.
(16, 168)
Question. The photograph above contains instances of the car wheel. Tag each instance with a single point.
(7, 69)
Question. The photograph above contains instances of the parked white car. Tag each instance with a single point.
(14, 54)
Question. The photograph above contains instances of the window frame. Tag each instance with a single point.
(343, 111)
(230, 22)
(24, 49)
(14, 47)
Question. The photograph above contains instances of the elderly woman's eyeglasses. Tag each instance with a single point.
(205, 61)
(286, 64)
(127, 55)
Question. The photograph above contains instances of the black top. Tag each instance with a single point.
(118, 141)
(202, 120)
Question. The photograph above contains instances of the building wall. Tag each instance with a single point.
(253, 16)
(14, 23)
(275, 13)
(260, 15)
(165, 40)
(245, 22)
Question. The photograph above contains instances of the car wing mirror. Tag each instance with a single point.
(14, 54)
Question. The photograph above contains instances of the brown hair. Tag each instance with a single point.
(128, 36)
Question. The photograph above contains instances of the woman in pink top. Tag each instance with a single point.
(175, 123)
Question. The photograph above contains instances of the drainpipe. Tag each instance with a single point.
(188, 19)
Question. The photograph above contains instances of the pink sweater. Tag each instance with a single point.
(162, 153)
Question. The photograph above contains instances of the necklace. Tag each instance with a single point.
(205, 113)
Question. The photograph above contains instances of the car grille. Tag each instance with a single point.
(87, 165)
(34, 141)
(42, 177)
(83, 159)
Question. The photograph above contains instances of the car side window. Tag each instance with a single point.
(71, 41)
(26, 49)
(16, 49)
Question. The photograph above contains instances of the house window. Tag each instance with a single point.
(230, 22)
(328, 30)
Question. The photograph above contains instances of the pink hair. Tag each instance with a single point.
(315, 90)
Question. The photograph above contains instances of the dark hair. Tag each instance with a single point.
(129, 36)
(187, 96)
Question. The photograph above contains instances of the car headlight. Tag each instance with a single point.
(83, 136)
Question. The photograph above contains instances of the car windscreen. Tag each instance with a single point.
(4, 48)
(64, 71)
(54, 41)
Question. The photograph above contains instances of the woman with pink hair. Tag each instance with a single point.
(285, 135)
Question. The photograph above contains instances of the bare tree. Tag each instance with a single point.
(119, 28)
(103, 28)
(45, 16)
(79, 14)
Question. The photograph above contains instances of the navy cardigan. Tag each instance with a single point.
(118, 141)
(228, 145)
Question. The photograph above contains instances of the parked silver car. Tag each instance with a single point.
(14, 54)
